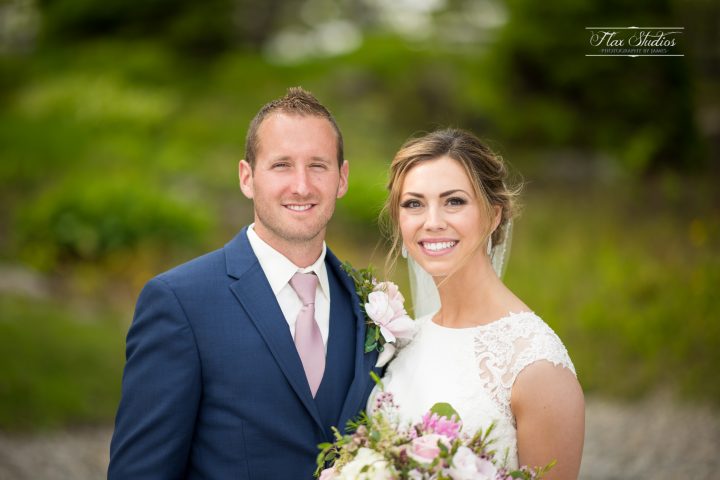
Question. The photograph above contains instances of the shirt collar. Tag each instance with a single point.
(279, 269)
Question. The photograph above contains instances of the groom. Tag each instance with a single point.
(240, 361)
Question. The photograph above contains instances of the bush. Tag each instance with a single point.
(90, 221)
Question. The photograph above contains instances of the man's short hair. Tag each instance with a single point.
(297, 101)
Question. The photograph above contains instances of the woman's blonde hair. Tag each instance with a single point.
(486, 170)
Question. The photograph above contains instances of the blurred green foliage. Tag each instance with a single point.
(639, 110)
(92, 219)
(195, 27)
(58, 366)
(626, 277)
(120, 133)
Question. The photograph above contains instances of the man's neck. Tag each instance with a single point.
(302, 254)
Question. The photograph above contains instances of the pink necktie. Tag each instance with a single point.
(308, 339)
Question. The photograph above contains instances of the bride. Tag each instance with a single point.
(481, 349)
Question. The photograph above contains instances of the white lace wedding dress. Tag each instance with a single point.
(473, 369)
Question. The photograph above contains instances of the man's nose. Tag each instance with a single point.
(301, 182)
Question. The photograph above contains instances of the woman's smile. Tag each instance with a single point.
(437, 246)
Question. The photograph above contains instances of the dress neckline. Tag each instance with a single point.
(511, 315)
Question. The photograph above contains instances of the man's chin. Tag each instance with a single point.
(293, 230)
(300, 236)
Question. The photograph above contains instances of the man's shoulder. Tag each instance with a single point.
(197, 267)
(196, 270)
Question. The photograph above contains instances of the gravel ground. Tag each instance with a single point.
(654, 439)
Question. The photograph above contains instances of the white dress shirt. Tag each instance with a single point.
(279, 270)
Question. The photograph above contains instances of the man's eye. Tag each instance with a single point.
(318, 166)
(280, 165)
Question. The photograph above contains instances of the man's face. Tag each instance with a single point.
(296, 179)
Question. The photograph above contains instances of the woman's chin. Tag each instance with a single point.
(435, 271)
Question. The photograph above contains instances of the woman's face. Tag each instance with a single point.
(442, 223)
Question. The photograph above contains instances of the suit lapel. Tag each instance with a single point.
(255, 295)
(363, 362)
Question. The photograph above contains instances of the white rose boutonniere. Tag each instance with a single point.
(386, 318)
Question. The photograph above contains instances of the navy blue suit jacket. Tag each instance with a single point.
(213, 387)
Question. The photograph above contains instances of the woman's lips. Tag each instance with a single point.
(437, 247)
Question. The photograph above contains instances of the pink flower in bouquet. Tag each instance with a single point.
(448, 427)
(385, 309)
(328, 474)
(424, 449)
(468, 466)
(385, 401)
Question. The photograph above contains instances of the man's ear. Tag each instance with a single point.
(245, 175)
(343, 186)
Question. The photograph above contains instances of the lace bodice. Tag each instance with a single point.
(474, 370)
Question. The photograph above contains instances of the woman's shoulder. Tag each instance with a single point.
(524, 324)
(524, 338)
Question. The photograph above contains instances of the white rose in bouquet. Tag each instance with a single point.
(377, 467)
(468, 466)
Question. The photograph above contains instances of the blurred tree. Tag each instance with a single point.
(202, 27)
(206, 25)
(638, 109)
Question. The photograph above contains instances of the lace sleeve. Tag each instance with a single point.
(537, 341)
(506, 347)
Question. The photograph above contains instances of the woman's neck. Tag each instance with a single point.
(474, 295)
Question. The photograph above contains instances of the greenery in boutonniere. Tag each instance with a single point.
(385, 315)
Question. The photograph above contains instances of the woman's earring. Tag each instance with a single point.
(403, 252)
(490, 245)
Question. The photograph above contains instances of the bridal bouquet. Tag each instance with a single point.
(433, 449)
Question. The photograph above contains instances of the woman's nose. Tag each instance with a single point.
(435, 220)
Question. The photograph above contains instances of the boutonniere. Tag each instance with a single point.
(384, 310)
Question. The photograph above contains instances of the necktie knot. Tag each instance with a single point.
(305, 285)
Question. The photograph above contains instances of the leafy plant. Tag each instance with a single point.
(89, 221)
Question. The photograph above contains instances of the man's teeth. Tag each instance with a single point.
(299, 208)
(438, 245)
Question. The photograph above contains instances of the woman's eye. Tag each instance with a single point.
(411, 204)
(456, 201)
